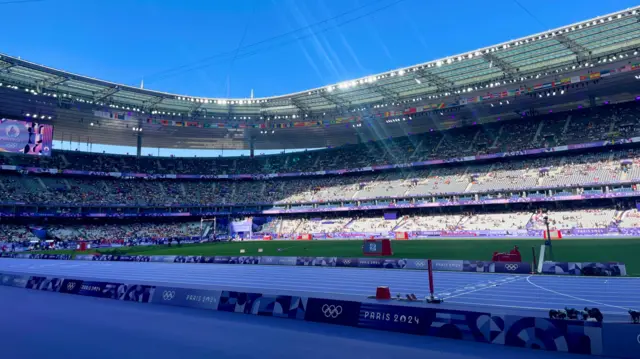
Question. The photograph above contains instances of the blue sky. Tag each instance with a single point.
(207, 47)
(128, 40)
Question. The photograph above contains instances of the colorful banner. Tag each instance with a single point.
(29, 138)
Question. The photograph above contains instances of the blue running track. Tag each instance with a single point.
(496, 291)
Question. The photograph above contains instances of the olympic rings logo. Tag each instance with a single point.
(71, 285)
(511, 267)
(168, 295)
(331, 311)
(638, 338)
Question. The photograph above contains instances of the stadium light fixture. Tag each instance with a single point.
(91, 124)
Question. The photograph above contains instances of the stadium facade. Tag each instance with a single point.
(548, 121)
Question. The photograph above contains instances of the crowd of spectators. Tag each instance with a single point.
(337, 226)
(614, 166)
(98, 233)
(577, 126)
(509, 221)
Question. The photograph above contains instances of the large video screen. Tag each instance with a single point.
(30, 138)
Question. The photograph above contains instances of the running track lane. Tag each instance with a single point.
(611, 295)
(116, 329)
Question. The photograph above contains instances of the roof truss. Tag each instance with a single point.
(506, 67)
(440, 82)
(5, 66)
(151, 103)
(300, 106)
(385, 92)
(581, 52)
(50, 82)
(334, 99)
(103, 94)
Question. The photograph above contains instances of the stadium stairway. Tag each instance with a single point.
(64, 159)
(42, 185)
(399, 222)
(348, 223)
(495, 142)
(473, 142)
(417, 149)
(566, 125)
(535, 137)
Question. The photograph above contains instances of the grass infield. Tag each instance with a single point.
(625, 250)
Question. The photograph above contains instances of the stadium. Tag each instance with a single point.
(420, 176)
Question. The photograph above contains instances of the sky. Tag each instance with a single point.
(227, 49)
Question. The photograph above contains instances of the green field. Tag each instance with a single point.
(567, 250)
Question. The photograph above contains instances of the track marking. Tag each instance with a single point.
(505, 281)
(573, 297)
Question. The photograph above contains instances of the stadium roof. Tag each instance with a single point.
(517, 61)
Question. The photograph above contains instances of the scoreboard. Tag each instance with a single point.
(377, 247)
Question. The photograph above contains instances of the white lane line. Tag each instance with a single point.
(573, 297)
(483, 288)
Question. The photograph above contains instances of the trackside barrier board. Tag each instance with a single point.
(608, 339)
(609, 269)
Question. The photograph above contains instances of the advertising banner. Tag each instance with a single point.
(29, 138)
(317, 261)
(190, 298)
(447, 265)
(507, 267)
(420, 264)
(97, 289)
(370, 262)
(11, 280)
(71, 286)
(333, 311)
(282, 261)
(49, 284)
(283, 306)
(85, 257)
(188, 259)
(478, 266)
(36, 256)
(163, 259)
(395, 318)
(347, 262)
